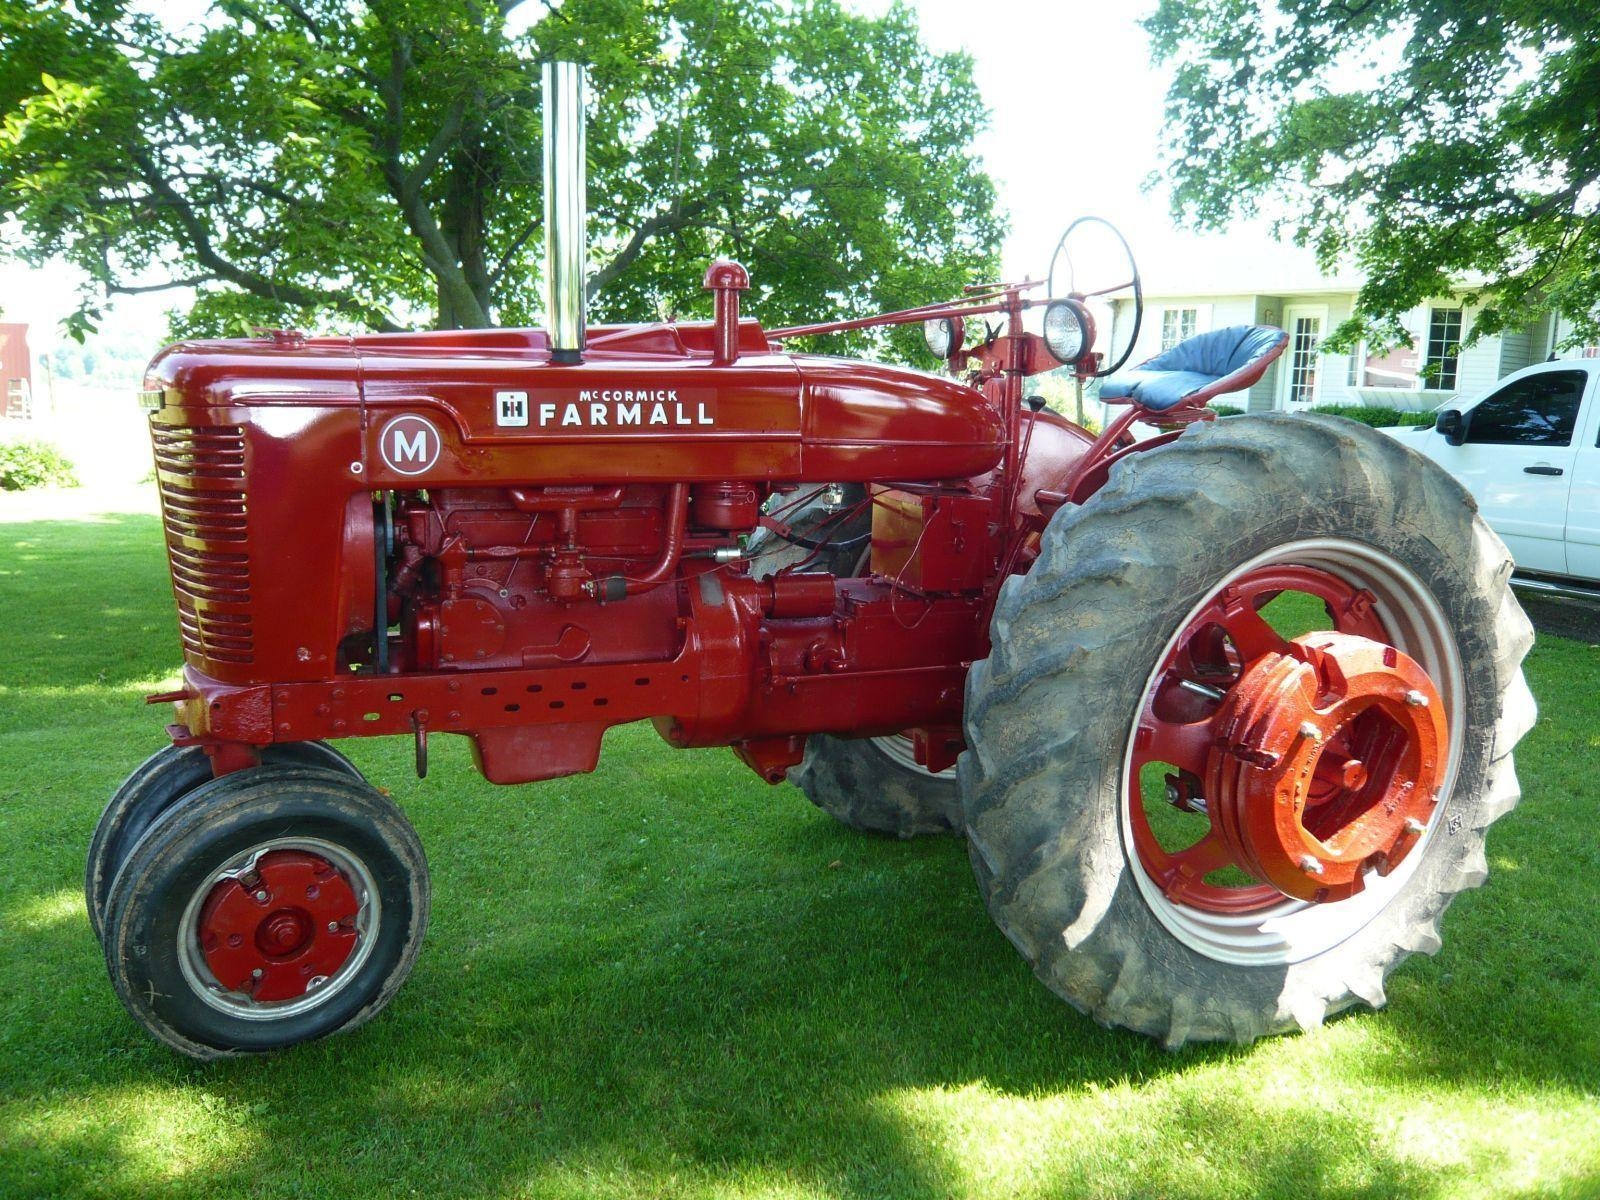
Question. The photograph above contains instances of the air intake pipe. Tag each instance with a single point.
(565, 210)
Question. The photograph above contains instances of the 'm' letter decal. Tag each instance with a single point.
(410, 445)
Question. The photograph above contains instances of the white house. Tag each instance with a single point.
(1427, 374)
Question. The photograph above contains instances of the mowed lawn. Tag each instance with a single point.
(668, 979)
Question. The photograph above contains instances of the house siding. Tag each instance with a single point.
(1479, 367)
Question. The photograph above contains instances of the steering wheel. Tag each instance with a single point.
(1063, 257)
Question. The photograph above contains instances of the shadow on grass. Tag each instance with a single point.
(667, 979)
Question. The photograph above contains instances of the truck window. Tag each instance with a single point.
(1538, 410)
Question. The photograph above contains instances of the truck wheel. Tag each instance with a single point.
(266, 908)
(1195, 828)
(875, 785)
(161, 781)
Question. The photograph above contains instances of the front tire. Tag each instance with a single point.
(268, 907)
(1057, 815)
(159, 782)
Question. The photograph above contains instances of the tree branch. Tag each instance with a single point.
(259, 285)
(517, 243)
(120, 289)
(678, 217)
(449, 131)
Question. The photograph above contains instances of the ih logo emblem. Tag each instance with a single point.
(510, 409)
(410, 445)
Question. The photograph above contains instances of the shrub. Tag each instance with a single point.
(1377, 415)
(33, 464)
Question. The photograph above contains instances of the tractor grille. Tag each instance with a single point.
(207, 529)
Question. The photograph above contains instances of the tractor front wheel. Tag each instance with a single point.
(266, 908)
(163, 779)
(1243, 728)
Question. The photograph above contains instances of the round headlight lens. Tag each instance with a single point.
(1066, 330)
(944, 336)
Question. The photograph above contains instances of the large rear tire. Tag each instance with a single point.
(1055, 807)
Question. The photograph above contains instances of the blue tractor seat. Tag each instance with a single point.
(1198, 368)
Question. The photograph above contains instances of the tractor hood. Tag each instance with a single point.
(648, 403)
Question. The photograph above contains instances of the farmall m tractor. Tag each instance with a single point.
(1191, 820)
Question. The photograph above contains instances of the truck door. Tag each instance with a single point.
(1518, 458)
(1583, 512)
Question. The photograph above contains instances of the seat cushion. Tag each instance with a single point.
(1156, 390)
(1195, 364)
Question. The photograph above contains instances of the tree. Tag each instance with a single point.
(376, 163)
(1428, 142)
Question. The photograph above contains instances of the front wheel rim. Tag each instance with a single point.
(279, 929)
(1258, 925)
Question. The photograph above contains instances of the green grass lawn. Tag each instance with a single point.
(668, 979)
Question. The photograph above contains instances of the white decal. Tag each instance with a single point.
(510, 409)
(607, 408)
(410, 445)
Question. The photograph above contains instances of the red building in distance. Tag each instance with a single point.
(16, 372)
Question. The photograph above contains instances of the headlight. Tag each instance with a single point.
(1067, 330)
(945, 336)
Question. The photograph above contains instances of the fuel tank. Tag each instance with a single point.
(485, 408)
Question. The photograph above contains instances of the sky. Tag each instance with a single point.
(1076, 131)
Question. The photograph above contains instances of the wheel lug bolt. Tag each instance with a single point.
(333, 927)
(1309, 731)
(262, 896)
(257, 973)
(1310, 865)
(1414, 826)
(1415, 699)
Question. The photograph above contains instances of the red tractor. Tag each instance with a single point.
(1191, 819)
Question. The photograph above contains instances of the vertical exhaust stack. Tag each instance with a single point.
(565, 210)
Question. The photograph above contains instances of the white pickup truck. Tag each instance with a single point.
(1529, 451)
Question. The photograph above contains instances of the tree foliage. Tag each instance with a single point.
(1430, 143)
(376, 163)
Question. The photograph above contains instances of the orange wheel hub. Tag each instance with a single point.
(1327, 763)
(1312, 761)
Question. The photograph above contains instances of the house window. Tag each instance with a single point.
(1354, 370)
(1178, 324)
(1444, 345)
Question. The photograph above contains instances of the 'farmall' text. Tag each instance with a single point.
(603, 409)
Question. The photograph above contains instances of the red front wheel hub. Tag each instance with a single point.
(280, 929)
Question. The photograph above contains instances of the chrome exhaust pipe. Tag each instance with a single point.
(565, 210)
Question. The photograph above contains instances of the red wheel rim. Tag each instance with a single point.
(280, 929)
(1231, 709)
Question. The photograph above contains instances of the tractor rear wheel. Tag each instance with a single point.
(268, 907)
(1202, 827)
(876, 785)
(155, 786)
